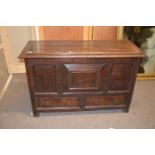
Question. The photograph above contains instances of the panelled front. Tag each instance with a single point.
(54, 76)
(62, 83)
(81, 75)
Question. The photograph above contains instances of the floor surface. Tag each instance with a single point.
(15, 109)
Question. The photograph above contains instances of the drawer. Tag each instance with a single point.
(107, 101)
(51, 102)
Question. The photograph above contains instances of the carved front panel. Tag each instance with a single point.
(83, 77)
(120, 78)
(45, 78)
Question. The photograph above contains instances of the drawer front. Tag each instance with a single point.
(54, 102)
(84, 77)
(107, 101)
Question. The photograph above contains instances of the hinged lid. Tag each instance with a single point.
(83, 49)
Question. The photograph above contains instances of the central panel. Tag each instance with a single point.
(83, 80)
(83, 77)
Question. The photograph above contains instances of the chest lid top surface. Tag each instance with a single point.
(83, 49)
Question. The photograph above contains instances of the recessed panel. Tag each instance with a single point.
(45, 78)
(105, 100)
(83, 77)
(121, 76)
(57, 102)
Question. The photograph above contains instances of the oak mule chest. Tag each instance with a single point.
(81, 75)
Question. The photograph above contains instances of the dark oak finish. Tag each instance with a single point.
(81, 75)
(45, 78)
(106, 100)
(57, 102)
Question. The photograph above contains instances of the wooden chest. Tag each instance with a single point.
(81, 75)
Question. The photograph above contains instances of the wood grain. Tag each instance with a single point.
(81, 75)
(74, 49)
